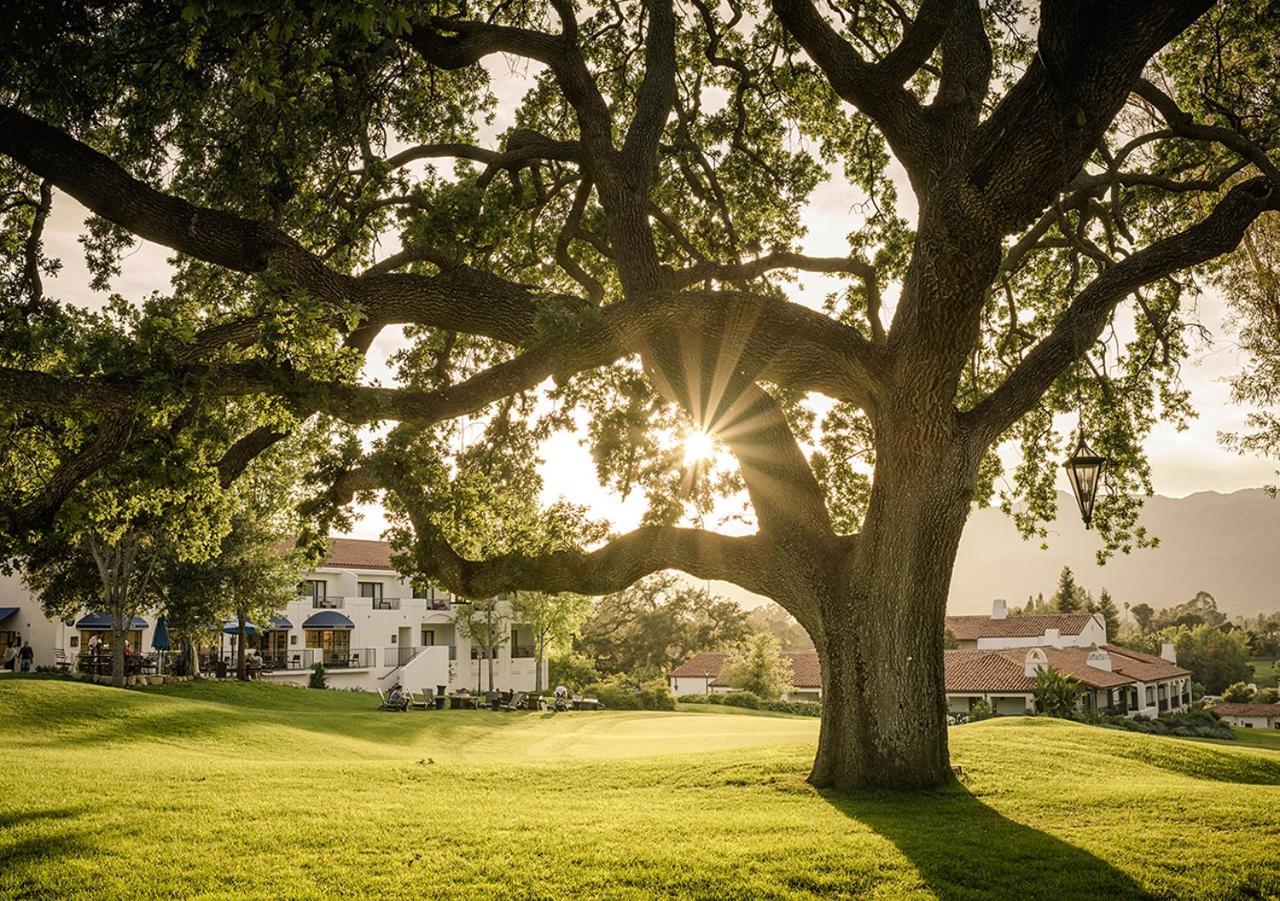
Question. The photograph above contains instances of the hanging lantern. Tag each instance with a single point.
(1084, 470)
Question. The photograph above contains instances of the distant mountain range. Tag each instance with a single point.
(1225, 544)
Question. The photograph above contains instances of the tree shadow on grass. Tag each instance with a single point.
(964, 849)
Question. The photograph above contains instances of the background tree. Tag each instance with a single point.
(1216, 658)
(772, 619)
(1199, 610)
(1237, 693)
(622, 257)
(1142, 615)
(657, 624)
(759, 667)
(555, 620)
(1110, 613)
(1266, 696)
(1056, 693)
(487, 623)
(1070, 597)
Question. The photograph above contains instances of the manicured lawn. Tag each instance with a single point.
(1265, 673)
(1259, 738)
(229, 791)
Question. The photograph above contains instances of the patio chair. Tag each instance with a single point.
(424, 704)
(385, 705)
(516, 702)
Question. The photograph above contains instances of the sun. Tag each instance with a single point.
(698, 447)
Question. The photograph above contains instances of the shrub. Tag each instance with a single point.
(748, 699)
(1055, 692)
(619, 693)
(980, 711)
(797, 708)
(318, 679)
(1192, 724)
(1238, 693)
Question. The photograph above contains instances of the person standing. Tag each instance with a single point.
(11, 656)
(26, 657)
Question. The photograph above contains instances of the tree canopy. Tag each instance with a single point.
(1041, 193)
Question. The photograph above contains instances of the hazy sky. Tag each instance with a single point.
(1182, 463)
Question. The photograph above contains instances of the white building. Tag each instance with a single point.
(355, 615)
(1113, 680)
(699, 675)
(1249, 716)
(1053, 630)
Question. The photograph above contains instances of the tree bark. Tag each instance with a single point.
(881, 645)
(117, 645)
(241, 636)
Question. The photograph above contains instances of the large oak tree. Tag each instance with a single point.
(623, 259)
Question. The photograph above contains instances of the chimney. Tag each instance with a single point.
(1053, 637)
(1099, 659)
(1168, 653)
(1034, 661)
(999, 609)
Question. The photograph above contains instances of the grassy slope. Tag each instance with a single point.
(1265, 673)
(261, 791)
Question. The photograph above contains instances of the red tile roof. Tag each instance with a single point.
(805, 670)
(358, 553)
(984, 671)
(1141, 666)
(1005, 669)
(971, 628)
(1230, 709)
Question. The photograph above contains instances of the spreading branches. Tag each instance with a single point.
(1218, 233)
(876, 88)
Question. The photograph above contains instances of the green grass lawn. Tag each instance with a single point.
(255, 791)
(1265, 673)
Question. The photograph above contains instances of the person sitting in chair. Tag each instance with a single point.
(398, 700)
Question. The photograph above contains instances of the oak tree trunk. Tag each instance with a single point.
(881, 647)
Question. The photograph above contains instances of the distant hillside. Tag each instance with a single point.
(1226, 544)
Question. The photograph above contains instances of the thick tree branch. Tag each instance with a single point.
(1218, 233)
(876, 88)
(1049, 123)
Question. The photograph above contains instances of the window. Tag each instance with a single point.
(335, 643)
(424, 594)
(428, 638)
(316, 590)
(372, 591)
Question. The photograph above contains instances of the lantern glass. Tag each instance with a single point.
(1084, 471)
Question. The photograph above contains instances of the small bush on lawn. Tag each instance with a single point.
(318, 679)
(748, 699)
(980, 711)
(1193, 724)
(796, 708)
(619, 693)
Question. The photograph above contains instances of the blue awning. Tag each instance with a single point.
(281, 622)
(328, 619)
(233, 628)
(100, 621)
(6, 612)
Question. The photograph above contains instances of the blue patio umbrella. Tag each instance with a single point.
(233, 628)
(160, 640)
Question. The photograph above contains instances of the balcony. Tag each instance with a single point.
(288, 660)
(323, 603)
(353, 658)
(383, 603)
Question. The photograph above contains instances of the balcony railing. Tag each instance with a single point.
(521, 651)
(399, 655)
(324, 603)
(355, 658)
(288, 660)
(384, 603)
